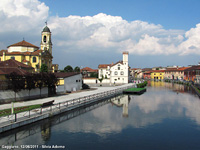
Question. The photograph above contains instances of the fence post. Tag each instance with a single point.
(29, 114)
(15, 117)
(59, 105)
(41, 110)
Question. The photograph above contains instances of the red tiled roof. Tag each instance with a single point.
(121, 62)
(104, 65)
(176, 69)
(1, 72)
(89, 69)
(17, 70)
(158, 71)
(24, 44)
(25, 60)
(65, 74)
(183, 68)
(13, 64)
(192, 68)
(35, 53)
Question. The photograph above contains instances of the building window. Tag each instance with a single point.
(122, 73)
(13, 58)
(45, 39)
(118, 78)
(118, 68)
(116, 72)
(76, 80)
(34, 60)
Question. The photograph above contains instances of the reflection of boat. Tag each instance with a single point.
(122, 101)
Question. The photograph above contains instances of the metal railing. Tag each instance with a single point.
(59, 107)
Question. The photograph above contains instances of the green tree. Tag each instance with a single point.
(68, 69)
(44, 68)
(101, 79)
(17, 82)
(39, 81)
(51, 81)
(94, 74)
(77, 69)
(30, 82)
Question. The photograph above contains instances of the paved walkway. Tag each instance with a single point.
(62, 98)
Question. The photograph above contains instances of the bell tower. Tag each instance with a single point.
(46, 43)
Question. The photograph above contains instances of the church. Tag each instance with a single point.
(30, 54)
(115, 73)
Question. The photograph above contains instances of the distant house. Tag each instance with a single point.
(147, 75)
(68, 81)
(116, 73)
(157, 74)
(175, 73)
(88, 72)
(192, 74)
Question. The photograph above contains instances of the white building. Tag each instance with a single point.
(69, 81)
(116, 73)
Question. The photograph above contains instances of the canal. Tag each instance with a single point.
(166, 117)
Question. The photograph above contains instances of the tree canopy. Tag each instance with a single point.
(68, 69)
(77, 69)
(44, 68)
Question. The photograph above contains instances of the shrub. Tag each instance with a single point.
(85, 86)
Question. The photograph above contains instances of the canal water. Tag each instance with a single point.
(166, 117)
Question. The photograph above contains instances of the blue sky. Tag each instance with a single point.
(89, 32)
(171, 14)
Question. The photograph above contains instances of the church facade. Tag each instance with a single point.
(30, 54)
(116, 73)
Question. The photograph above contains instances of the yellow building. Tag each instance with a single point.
(30, 54)
(157, 74)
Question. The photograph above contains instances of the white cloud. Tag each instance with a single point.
(99, 33)
(112, 33)
(192, 43)
(22, 15)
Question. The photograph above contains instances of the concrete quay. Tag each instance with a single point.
(62, 104)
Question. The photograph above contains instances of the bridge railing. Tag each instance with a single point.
(10, 119)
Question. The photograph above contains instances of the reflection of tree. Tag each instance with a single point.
(46, 130)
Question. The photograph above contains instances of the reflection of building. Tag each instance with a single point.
(157, 84)
(46, 131)
(122, 101)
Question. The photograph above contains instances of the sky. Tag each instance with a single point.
(92, 32)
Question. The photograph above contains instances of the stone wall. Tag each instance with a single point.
(9, 96)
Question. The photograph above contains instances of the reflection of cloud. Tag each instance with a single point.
(144, 110)
(149, 108)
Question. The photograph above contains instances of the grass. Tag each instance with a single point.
(135, 89)
(7, 112)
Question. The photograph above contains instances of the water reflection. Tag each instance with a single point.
(122, 101)
(150, 108)
(161, 102)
